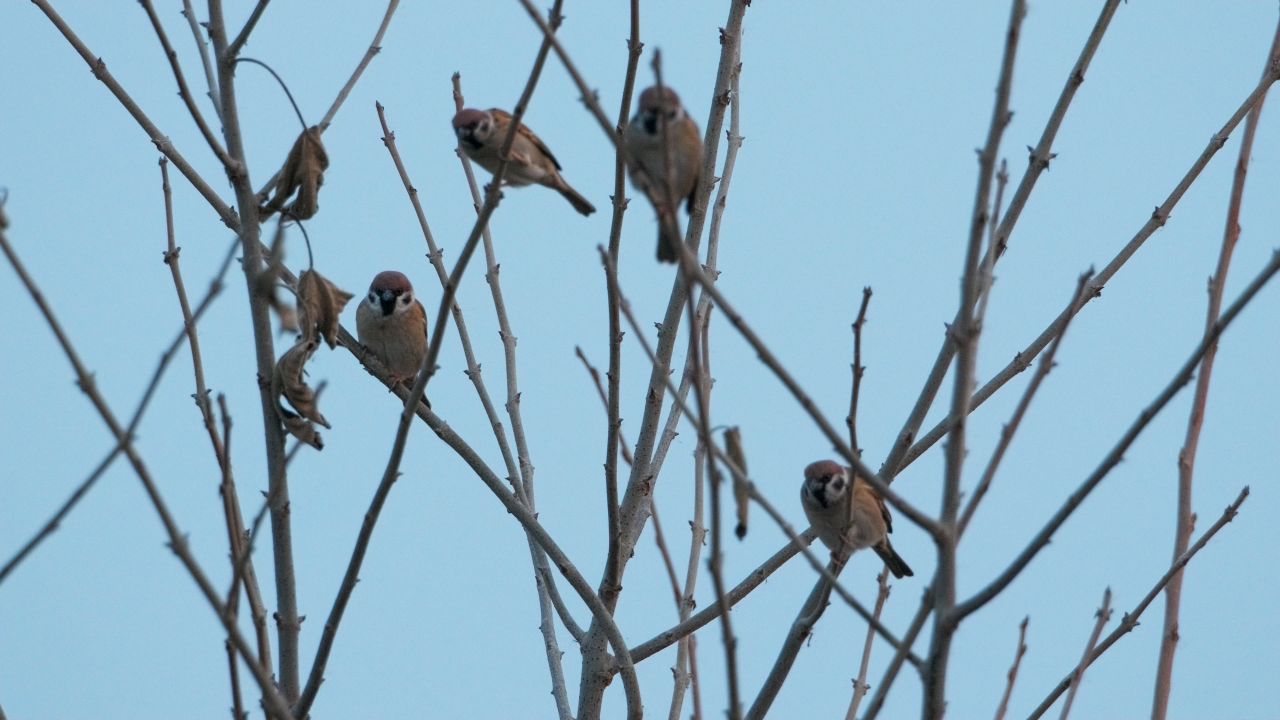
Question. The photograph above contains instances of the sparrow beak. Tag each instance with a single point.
(387, 300)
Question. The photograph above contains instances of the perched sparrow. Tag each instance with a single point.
(661, 119)
(481, 134)
(393, 325)
(848, 514)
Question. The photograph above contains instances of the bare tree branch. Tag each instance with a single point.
(1180, 379)
(54, 522)
(965, 333)
(288, 622)
(374, 48)
(1103, 615)
(1023, 359)
(1012, 676)
(1184, 518)
(1039, 162)
(1007, 432)
(202, 48)
(159, 139)
(233, 50)
(860, 686)
(274, 703)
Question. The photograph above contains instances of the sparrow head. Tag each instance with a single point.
(658, 102)
(390, 293)
(825, 482)
(473, 126)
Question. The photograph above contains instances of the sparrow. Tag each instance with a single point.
(392, 324)
(481, 134)
(661, 119)
(848, 514)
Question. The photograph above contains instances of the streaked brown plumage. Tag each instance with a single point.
(393, 325)
(848, 514)
(659, 119)
(481, 134)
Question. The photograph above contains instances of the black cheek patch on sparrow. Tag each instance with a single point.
(819, 492)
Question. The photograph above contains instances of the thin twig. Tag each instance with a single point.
(233, 50)
(900, 656)
(1103, 615)
(860, 686)
(375, 47)
(1012, 675)
(604, 398)
(1184, 519)
(686, 669)
(1130, 619)
(1010, 428)
(522, 480)
(202, 48)
(625, 666)
(221, 444)
(183, 91)
(858, 369)
(612, 399)
(754, 579)
(699, 353)
(302, 708)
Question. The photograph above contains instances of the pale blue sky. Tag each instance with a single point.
(861, 121)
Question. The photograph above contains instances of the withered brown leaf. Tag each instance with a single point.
(303, 172)
(320, 302)
(741, 493)
(300, 428)
(287, 382)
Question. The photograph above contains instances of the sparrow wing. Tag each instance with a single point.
(522, 131)
(884, 513)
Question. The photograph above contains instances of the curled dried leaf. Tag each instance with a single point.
(301, 428)
(303, 173)
(320, 302)
(287, 382)
(741, 493)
